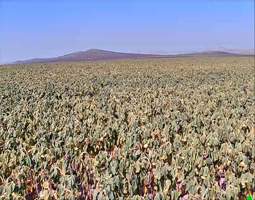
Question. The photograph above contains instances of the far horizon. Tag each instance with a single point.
(49, 29)
(102, 54)
(151, 52)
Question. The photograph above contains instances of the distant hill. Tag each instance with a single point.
(216, 51)
(89, 55)
(211, 53)
(98, 54)
(236, 51)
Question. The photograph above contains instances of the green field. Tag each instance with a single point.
(179, 128)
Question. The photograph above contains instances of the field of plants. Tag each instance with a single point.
(179, 128)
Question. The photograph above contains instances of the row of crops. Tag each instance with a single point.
(180, 128)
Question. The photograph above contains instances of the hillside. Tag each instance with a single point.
(89, 55)
(98, 54)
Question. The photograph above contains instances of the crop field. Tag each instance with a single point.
(179, 128)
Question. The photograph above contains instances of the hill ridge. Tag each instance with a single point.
(100, 54)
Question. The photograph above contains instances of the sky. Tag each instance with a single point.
(48, 28)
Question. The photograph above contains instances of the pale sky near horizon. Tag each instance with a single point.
(44, 28)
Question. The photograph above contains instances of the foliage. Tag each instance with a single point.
(179, 128)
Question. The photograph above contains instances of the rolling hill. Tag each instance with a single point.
(98, 54)
(89, 55)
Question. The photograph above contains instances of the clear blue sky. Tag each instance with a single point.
(44, 28)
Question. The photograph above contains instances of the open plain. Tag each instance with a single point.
(177, 128)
